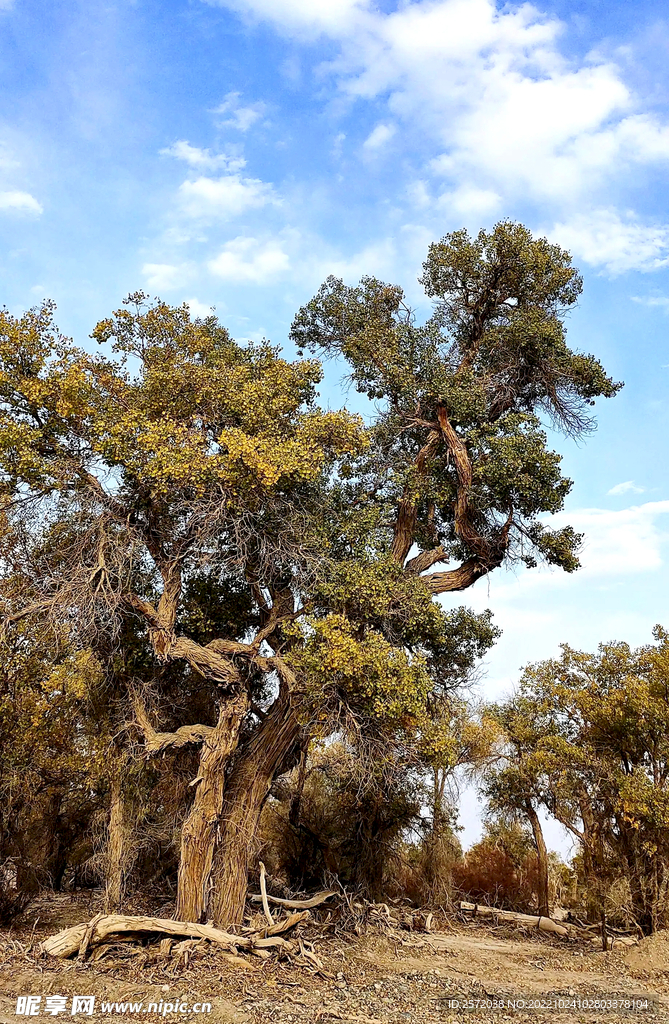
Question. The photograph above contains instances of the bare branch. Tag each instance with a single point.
(158, 741)
(425, 560)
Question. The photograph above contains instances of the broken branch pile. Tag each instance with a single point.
(260, 938)
(107, 926)
(546, 924)
(257, 940)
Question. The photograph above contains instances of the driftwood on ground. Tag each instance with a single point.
(544, 924)
(260, 938)
(78, 938)
(313, 901)
(547, 924)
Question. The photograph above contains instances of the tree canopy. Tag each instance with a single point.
(184, 493)
(459, 462)
(588, 741)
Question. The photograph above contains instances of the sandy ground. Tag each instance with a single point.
(459, 974)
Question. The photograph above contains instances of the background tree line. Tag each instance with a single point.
(220, 625)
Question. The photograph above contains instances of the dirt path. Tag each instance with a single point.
(464, 975)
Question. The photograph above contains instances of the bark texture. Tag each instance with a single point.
(117, 846)
(268, 753)
(487, 553)
(198, 834)
(542, 860)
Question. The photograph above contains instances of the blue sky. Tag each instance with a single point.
(235, 153)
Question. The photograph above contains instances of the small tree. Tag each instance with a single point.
(600, 764)
(512, 785)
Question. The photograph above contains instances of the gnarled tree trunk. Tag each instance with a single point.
(268, 753)
(543, 908)
(198, 834)
(117, 845)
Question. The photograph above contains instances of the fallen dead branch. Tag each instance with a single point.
(543, 924)
(547, 924)
(313, 901)
(288, 923)
(79, 938)
(263, 896)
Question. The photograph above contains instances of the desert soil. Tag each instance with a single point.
(461, 973)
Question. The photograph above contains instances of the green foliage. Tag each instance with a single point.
(590, 734)
(202, 413)
(191, 520)
(518, 289)
(492, 357)
(366, 673)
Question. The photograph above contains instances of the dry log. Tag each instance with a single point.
(272, 942)
(238, 961)
(87, 936)
(544, 924)
(313, 901)
(67, 942)
(287, 923)
(613, 940)
(81, 936)
(263, 896)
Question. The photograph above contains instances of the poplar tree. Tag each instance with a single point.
(288, 556)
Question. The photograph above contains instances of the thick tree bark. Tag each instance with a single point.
(117, 846)
(198, 834)
(487, 553)
(592, 859)
(542, 860)
(407, 511)
(267, 754)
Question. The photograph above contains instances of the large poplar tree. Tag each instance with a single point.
(185, 474)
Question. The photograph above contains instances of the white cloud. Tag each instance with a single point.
(627, 541)
(306, 17)
(203, 159)
(377, 259)
(378, 137)
(618, 546)
(164, 276)
(604, 239)
(246, 259)
(419, 194)
(627, 487)
(491, 86)
(469, 201)
(7, 160)
(224, 197)
(199, 309)
(338, 144)
(620, 592)
(238, 116)
(662, 301)
(22, 202)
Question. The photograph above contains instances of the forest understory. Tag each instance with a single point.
(370, 977)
